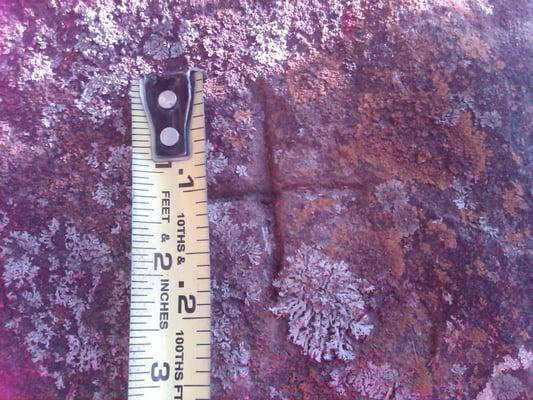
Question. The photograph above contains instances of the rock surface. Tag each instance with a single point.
(369, 168)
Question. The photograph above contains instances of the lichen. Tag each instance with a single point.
(241, 170)
(393, 197)
(428, 100)
(244, 241)
(325, 305)
(233, 357)
(502, 385)
(231, 350)
(50, 304)
(373, 381)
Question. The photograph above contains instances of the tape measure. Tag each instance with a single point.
(169, 343)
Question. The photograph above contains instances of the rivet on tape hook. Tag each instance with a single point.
(167, 103)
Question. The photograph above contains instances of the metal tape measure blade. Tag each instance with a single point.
(170, 311)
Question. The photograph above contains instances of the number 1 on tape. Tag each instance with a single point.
(169, 346)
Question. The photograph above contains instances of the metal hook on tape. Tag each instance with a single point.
(167, 102)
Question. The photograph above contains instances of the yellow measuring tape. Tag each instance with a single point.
(169, 352)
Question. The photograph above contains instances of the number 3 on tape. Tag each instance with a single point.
(170, 335)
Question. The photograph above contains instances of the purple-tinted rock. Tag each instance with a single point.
(236, 156)
(356, 242)
(372, 165)
(243, 267)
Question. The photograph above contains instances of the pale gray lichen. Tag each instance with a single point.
(92, 159)
(507, 387)
(84, 353)
(392, 195)
(37, 67)
(374, 381)
(465, 103)
(50, 297)
(103, 195)
(325, 305)
(275, 394)
(160, 49)
(4, 220)
(486, 227)
(271, 38)
(217, 163)
(504, 386)
(245, 252)
(12, 32)
(241, 170)
(28, 242)
(188, 33)
(111, 187)
(490, 119)
(450, 117)
(232, 356)
(52, 114)
(19, 271)
(244, 249)
(103, 30)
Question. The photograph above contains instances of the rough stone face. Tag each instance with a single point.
(242, 254)
(369, 169)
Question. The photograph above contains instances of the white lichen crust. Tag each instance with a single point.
(325, 305)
